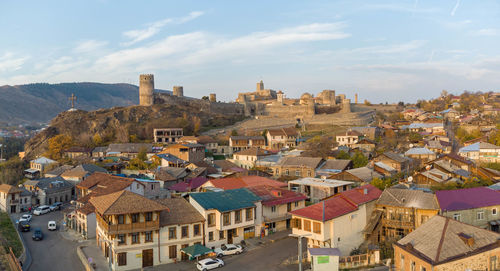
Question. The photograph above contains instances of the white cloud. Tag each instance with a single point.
(155, 27)
(391, 49)
(89, 46)
(488, 32)
(10, 62)
(454, 10)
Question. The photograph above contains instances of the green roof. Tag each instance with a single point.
(196, 250)
(227, 200)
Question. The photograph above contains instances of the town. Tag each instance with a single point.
(414, 188)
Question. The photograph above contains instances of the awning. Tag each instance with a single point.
(196, 250)
(495, 222)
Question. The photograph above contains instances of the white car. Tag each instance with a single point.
(207, 264)
(41, 210)
(228, 250)
(25, 217)
(52, 226)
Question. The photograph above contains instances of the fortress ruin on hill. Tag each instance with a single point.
(326, 107)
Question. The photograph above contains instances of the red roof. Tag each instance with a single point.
(339, 205)
(274, 196)
(245, 181)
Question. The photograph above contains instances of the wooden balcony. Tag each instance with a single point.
(403, 224)
(128, 228)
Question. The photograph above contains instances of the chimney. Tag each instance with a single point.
(468, 239)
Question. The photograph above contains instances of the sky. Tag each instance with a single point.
(382, 50)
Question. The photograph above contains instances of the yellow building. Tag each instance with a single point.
(444, 244)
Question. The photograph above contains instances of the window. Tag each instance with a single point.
(456, 217)
(237, 216)
(297, 173)
(287, 172)
(184, 232)
(309, 173)
(211, 220)
(137, 186)
(317, 227)
(149, 216)
(412, 266)
(121, 219)
(249, 214)
(172, 252)
(221, 235)
(296, 204)
(296, 223)
(135, 218)
(423, 219)
(122, 258)
(148, 236)
(480, 215)
(121, 239)
(211, 236)
(226, 219)
(307, 225)
(402, 263)
(494, 211)
(172, 233)
(135, 238)
(196, 230)
(273, 209)
(289, 207)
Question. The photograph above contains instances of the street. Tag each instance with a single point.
(53, 252)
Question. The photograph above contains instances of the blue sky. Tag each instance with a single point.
(382, 50)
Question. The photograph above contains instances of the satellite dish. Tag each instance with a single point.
(410, 179)
(411, 145)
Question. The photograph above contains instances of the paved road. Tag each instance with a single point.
(53, 252)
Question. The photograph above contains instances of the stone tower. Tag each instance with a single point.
(213, 98)
(346, 106)
(260, 86)
(280, 97)
(356, 98)
(146, 89)
(178, 91)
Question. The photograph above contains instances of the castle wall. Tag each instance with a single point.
(207, 106)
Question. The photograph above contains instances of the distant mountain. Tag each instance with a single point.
(41, 102)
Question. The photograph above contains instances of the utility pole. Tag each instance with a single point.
(300, 246)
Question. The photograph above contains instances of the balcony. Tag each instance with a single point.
(128, 228)
(14, 201)
(404, 224)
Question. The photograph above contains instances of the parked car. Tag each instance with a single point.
(55, 206)
(207, 264)
(41, 210)
(52, 225)
(25, 217)
(228, 250)
(24, 226)
(37, 235)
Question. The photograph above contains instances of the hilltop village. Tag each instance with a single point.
(405, 186)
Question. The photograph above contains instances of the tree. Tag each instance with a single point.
(57, 145)
(343, 155)
(205, 98)
(196, 125)
(359, 160)
(414, 137)
(142, 155)
(97, 139)
(381, 183)
(234, 132)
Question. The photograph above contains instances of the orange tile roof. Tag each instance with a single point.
(7, 188)
(104, 180)
(125, 202)
(245, 181)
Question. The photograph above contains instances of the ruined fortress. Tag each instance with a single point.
(267, 105)
(268, 102)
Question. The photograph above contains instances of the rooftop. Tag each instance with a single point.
(227, 200)
(179, 211)
(468, 198)
(320, 182)
(125, 202)
(245, 181)
(253, 152)
(273, 196)
(408, 198)
(310, 162)
(43, 160)
(418, 151)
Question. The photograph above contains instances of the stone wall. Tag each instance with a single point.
(205, 105)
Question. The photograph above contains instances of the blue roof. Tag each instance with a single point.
(227, 200)
(416, 151)
(473, 147)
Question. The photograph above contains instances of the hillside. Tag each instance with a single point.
(41, 102)
(125, 124)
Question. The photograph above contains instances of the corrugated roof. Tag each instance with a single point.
(227, 200)
(245, 181)
(273, 196)
(310, 162)
(179, 212)
(408, 198)
(439, 240)
(418, 151)
(336, 164)
(468, 198)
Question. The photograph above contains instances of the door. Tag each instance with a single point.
(184, 256)
(147, 258)
(229, 236)
(13, 208)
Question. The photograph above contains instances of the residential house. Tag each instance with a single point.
(170, 175)
(422, 155)
(129, 225)
(80, 172)
(187, 152)
(58, 171)
(10, 198)
(169, 160)
(282, 137)
(129, 150)
(211, 144)
(238, 143)
(332, 166)
(443, 244)
(324, 223)
(364, 145)
(78, 152)
(167, 135)
(456, 160)
(394, 160)
(383, 169)
(478, 206)
(317, 189)
(297, 167)
(359, 175)
(247, 158)
(189, 185)
(231, 215)
(99, 152)
(276, 203)
(399, 212)
(39, 166)
(430, 128)
(241, 182)
(371, 133)
(52, 190)
(439, 146)
(481, 152)
(432, 177)
(349, 139)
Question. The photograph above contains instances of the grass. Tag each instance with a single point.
(9, 235)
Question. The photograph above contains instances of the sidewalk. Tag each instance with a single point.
(94, 255)
(257, 242)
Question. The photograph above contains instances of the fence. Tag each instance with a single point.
(372, 257)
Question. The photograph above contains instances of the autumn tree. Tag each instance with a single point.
(57, 145)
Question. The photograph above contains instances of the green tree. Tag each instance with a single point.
(142, 155)
(234, 132)
(414, 137)
(343, 155)
(381, 183)
(359, 160)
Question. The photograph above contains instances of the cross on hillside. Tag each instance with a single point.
(72, 99)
